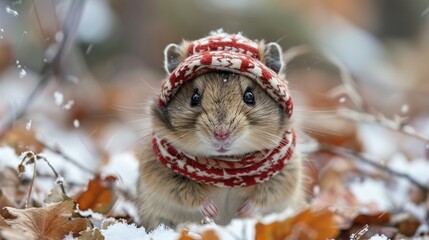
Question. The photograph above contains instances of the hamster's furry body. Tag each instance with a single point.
(227, 122)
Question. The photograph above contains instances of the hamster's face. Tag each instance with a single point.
(220, 114)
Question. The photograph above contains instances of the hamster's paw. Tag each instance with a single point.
(209, 209)
(247, 209)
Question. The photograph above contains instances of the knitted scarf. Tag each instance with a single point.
(236, 54)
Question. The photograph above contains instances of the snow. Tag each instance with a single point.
(59, 98)
(124, 165)
(405, 108)
(76, 123)
(28, 125)
(22, 73)
(118, 230)
(11, 11)
(379, 237)
(372, 191)
(8, 157)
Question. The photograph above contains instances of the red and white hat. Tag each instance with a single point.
(227, 52)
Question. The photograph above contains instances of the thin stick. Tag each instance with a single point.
(59, 180)
(49, 68)
(396, 125)
(57, 150)
(362, 158)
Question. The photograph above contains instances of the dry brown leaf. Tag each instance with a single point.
(10, 182)
(184, 235)
(99, 195)
(56, 196)
(53, 221)
(5, 200)
(377, 223)
(209, 235)
(406, 223)
(305, 225)
(22, 140)
(91, 234)
(2, 222)
(380, 218)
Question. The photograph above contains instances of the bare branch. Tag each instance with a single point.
(364, 159)
(52, 66)
(393, 124)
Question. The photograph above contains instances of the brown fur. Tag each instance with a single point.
(169, 198)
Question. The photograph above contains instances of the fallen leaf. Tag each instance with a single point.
(308, 224)
(99, 195)
(52, 221)
(380, 218)
(10, 182)
(56, 196)
(91, 234)
(6, 201)
(377, 223)
(22, 140)
(2, 222)
(406, 223)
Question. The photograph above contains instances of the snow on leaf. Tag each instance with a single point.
(307, 224)
(52, 221)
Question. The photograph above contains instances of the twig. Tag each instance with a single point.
(348, 152)
(56, 149)
(53, 65)
(29, 158)
(32, 158)
(59, 180)
(396, 124)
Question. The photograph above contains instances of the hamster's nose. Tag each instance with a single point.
(221, 134)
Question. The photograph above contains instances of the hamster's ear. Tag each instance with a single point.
(273, 57)
(172, 57)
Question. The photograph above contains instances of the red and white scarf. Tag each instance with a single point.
(236, 54)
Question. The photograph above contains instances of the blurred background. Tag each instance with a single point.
(116, 59)
(115, 65)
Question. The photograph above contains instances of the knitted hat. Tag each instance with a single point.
(236, 54)
(226, 52)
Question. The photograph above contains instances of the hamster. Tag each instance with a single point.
(223, 115)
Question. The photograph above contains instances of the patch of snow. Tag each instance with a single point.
(379, 237)
(22, 73)
(76, 123)
(68, 105)
(8, 157)
(59, 98)
(28, 125)
(405, 108)
(376, 141)
(372, 191)
(11, 11)
(119, 230)
(124, 207)
(125, 166)
(417, 168)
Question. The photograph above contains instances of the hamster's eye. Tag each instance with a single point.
(248, 97)
(195, 99)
